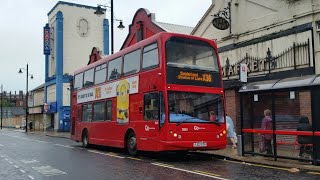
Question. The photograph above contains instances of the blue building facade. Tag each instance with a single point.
(66, 48)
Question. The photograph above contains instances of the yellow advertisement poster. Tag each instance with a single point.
(123, 90)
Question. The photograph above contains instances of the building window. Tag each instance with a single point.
(131, 63)
(98, 111)
(83, 28)
(114, 68)
(100, 74)
(88, 78)
(150, 58)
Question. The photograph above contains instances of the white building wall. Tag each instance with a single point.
(77, 48)
(252, 19)
(66, 94)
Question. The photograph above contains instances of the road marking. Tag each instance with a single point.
(10, 162)
(259, 165)
(16, 166)
(22, 170)
(2, 156)
(270, 167)
(41, 141)
(48, 170)
(316, 173)
(63, 146)
(1, 145)
(6, 159)
(30, 177)
(184, 170)
(203, 172)
(134, 158)
(107, 154)
(29, 161)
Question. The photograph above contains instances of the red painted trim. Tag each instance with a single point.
(280, 132)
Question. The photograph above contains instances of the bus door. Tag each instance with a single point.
(151, 116)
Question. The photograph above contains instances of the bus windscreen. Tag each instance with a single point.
(191, 53)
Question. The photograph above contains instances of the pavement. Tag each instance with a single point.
(229, 154)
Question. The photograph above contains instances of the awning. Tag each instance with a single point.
(294, 82)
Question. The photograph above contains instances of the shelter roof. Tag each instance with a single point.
(293, 82)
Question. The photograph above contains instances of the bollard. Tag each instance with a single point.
(239, 148)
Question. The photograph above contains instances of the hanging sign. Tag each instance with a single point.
(220, 23)
(243, 73)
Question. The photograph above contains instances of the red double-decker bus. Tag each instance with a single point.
(164, 93)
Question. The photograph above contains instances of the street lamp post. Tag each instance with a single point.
(100, 12)
(27, 94)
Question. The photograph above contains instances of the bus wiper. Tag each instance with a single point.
(185, 120)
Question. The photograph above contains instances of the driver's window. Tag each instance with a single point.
(151, 106)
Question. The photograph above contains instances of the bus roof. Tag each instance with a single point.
(133, 47)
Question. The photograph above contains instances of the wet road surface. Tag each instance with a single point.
(32, 156)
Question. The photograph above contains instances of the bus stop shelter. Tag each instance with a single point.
(289, 100)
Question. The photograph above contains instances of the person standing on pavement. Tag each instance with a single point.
(230, 131)
(265, 144)
(305, 141)
(30, 125)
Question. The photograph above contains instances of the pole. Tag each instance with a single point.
(111, 26)
(1, 106)
(27, 100)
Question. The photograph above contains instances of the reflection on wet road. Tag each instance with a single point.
(31, 156)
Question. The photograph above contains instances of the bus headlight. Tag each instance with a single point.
(218, 136)
(221, 134)
(224, 132)
(175, 134)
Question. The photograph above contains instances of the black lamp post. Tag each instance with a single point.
(100, 12)
(27, 94)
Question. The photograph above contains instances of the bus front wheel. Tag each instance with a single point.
(132, 144)
(85, 139)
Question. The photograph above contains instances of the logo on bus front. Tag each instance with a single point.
(196, 128)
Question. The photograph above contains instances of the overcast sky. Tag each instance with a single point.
(21, 32)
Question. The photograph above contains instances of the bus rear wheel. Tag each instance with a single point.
(132, 144)
(85, 139)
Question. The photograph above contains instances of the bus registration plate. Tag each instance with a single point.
(200, 144)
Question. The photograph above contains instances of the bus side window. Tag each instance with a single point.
(88, 77)
(131, 63)
(98, 111)
(115, 68)
(109, 110)
(87, 112)
(150, 57)
(151, 106)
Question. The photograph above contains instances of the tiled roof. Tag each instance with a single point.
(174, 28)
